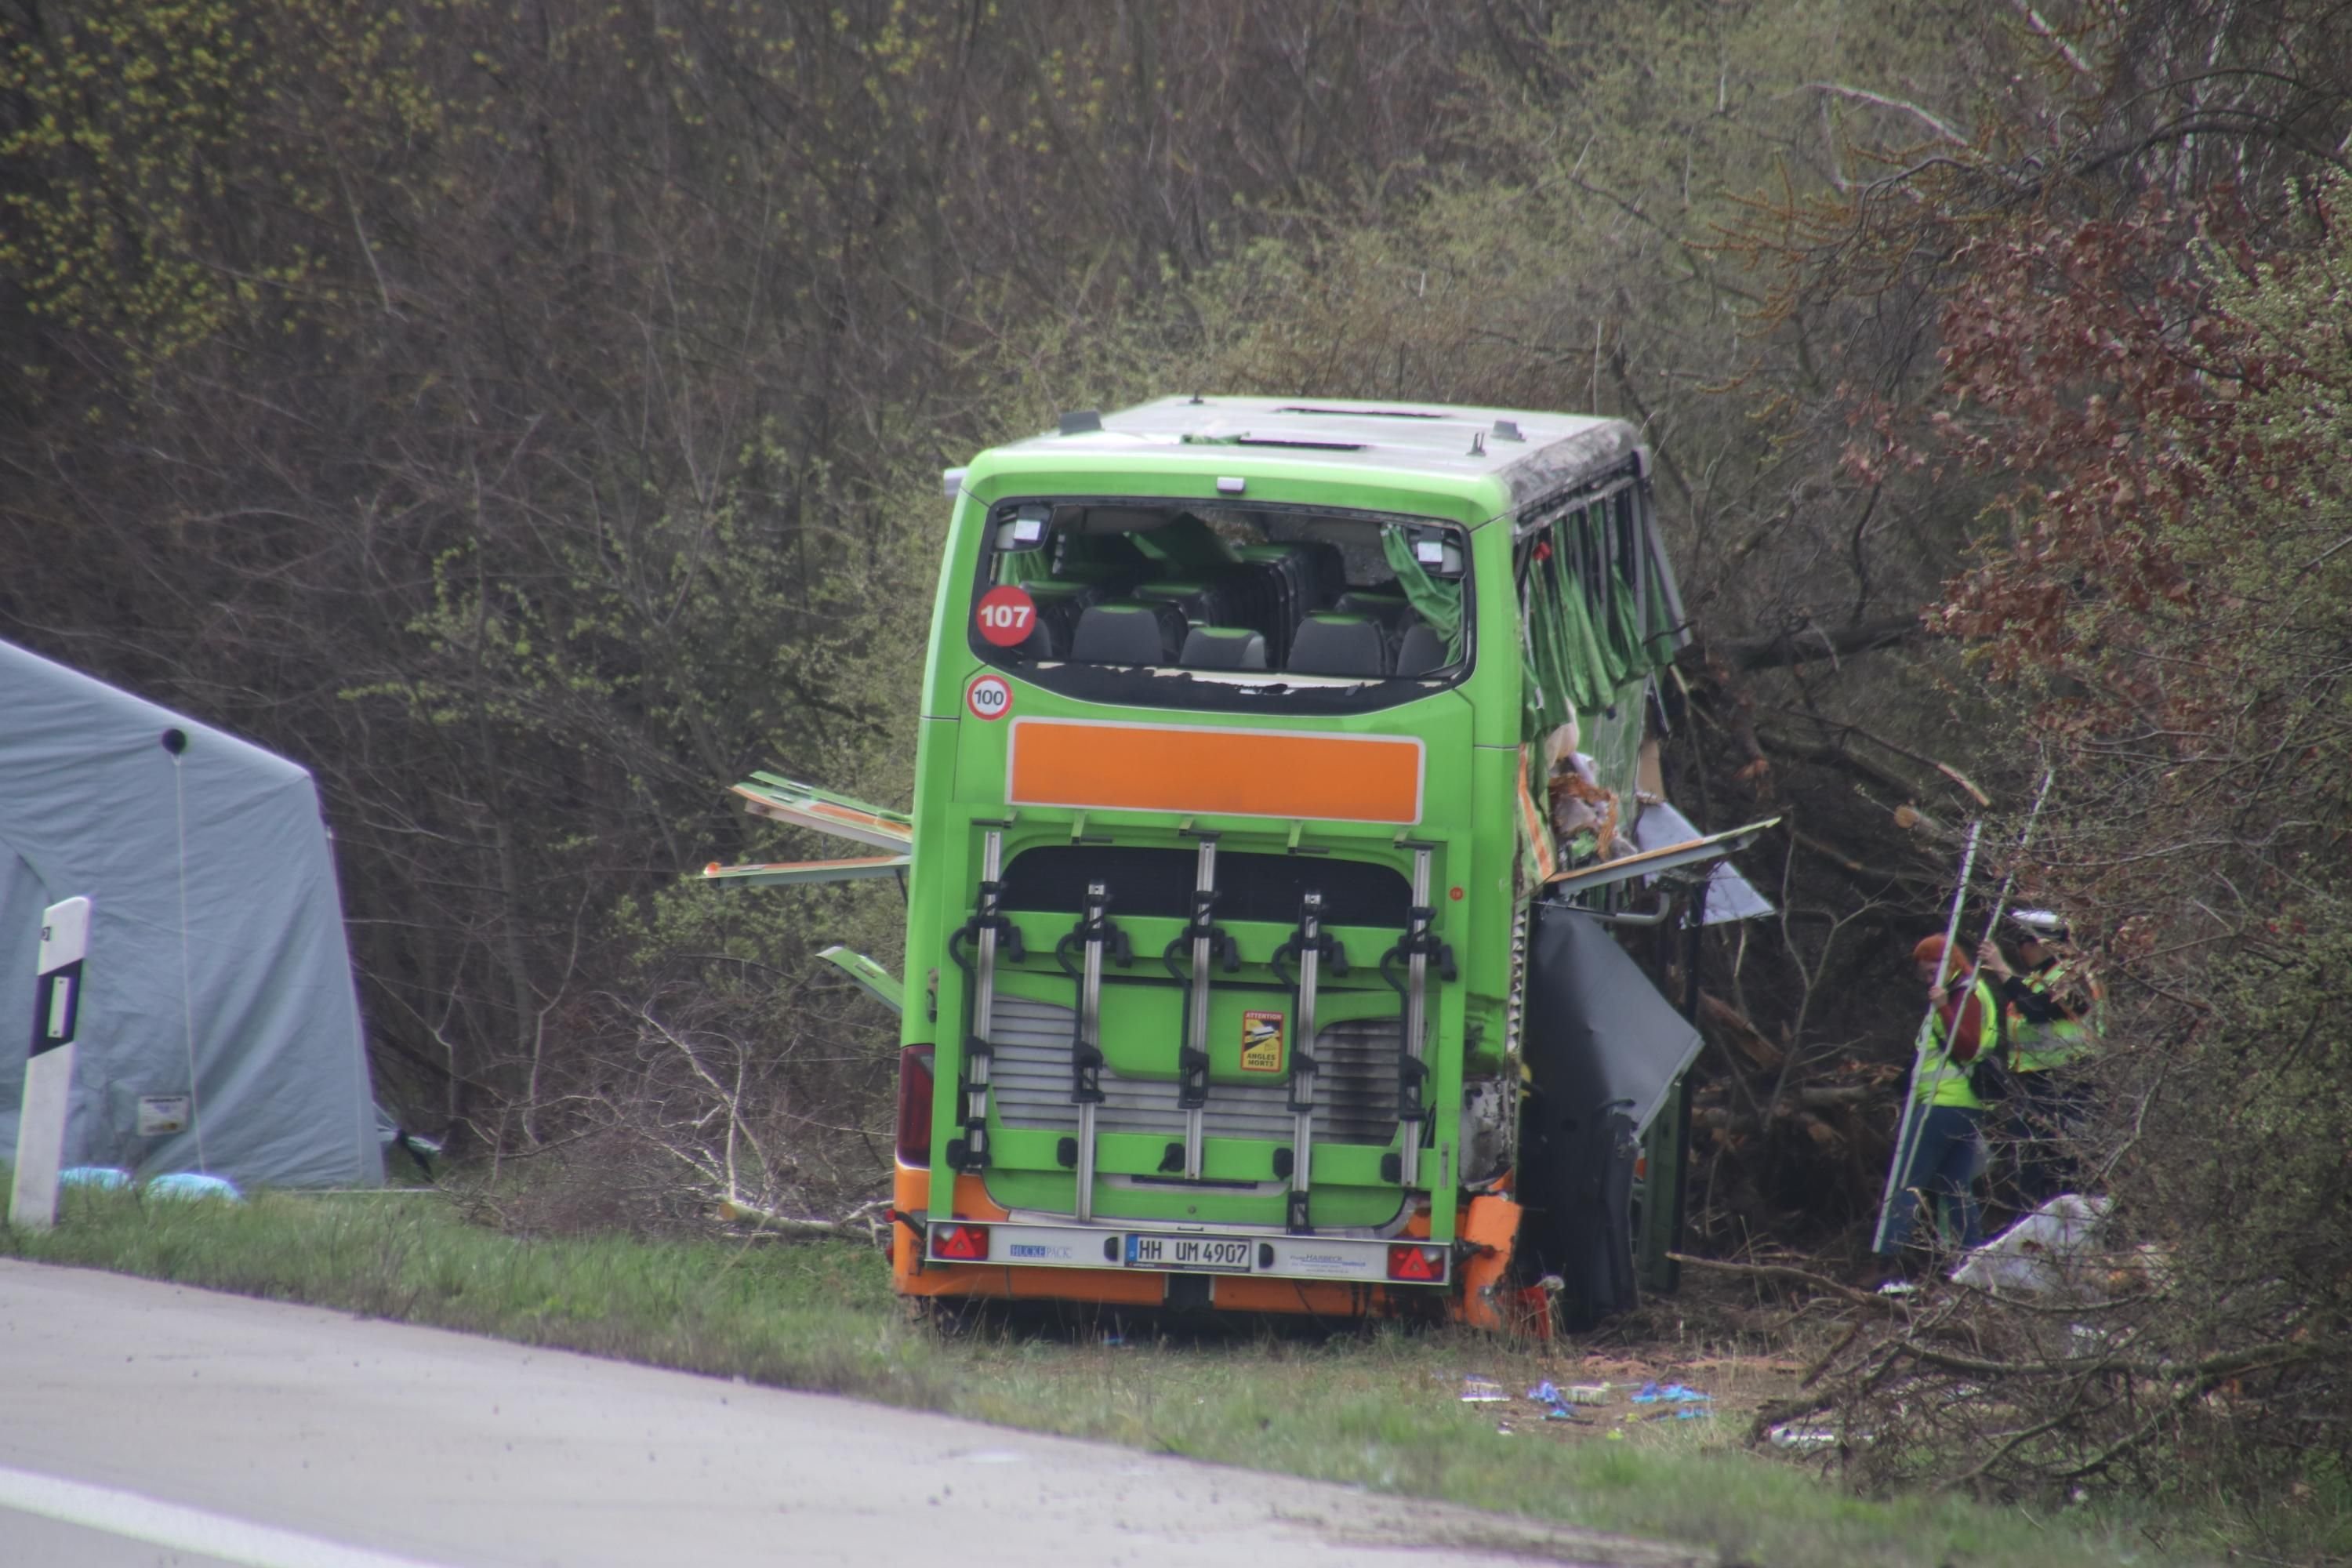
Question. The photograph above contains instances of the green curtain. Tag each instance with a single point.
(1596, 681)
(1631, 656)
(1565, 660)
(1438, 603)
(1578, 663)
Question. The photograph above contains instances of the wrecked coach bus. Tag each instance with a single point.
(1287, 772)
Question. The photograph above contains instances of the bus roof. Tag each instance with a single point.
(1528, 452)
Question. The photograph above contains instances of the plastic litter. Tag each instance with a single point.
(1804, 1439)
(1588, 1393)
(190, 1185)
(1482, 1391)
(1653, 1393)
(1681, 1403)
(105, 1178)
(1555, 1403)
(2034, 1255)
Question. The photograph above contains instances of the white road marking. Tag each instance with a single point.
(166, 1524)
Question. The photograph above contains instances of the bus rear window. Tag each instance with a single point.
(1186, 606)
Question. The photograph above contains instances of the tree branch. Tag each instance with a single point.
(1785, 648)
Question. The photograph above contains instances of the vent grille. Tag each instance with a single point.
(1355, 1091)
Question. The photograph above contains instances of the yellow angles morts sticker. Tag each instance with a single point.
(1261, 1042)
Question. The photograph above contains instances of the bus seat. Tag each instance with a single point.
(1224, 648)
(1060, 605)
(1386, 605)
(1339, 644)
(1422, 651)
(1129, 633)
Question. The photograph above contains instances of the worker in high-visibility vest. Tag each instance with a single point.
(2053, 1003)
(1948, 1154)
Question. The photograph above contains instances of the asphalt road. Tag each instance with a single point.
(144, 1423)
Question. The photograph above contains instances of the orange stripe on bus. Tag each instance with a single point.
(1234, 773)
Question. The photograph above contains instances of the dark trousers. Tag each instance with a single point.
(2045, 1110)
(1946, 1158)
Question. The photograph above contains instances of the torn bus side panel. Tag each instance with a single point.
(1603, 1051)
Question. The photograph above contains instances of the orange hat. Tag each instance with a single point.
(1932, 947)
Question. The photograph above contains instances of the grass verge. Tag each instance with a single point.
(1380, 1410)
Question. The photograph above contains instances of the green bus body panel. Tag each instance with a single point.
(1470, 735)
(870, 977)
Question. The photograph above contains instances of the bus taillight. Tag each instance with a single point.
(959, 1243)
(1419, 1265)
(915, 1105)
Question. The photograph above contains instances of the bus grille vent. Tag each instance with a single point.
(1356, 1091)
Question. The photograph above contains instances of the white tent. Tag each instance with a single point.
(217, 968)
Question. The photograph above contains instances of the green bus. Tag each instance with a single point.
(1286, 798)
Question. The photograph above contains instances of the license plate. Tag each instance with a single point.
(1201, 1254)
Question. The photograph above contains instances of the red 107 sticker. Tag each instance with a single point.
(989, 697)
(1007, 615)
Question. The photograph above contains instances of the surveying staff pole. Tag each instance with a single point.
(2000, 904)
(1906, 1131)
(48, 1075)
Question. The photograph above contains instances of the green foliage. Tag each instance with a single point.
(174, 164)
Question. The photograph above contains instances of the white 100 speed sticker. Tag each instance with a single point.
(989, 697)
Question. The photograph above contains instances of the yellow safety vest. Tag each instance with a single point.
(2062, 1041)
(1937, 1078)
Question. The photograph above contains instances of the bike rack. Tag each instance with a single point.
(1092, 931)
(1193, 1051)
(985, 929)
(1416, 950)
(1310, 945)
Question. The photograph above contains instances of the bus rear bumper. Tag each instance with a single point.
(982, 1251)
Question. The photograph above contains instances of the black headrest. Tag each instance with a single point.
(1339, 644)
(1422, 651)
(1224, 648)
(1128, 634)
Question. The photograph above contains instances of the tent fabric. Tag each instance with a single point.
(254, 981)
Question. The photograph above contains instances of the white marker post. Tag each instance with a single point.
(48, 1076)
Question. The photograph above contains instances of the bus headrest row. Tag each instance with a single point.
(1343, 643)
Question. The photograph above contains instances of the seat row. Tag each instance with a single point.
(1358, 641)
